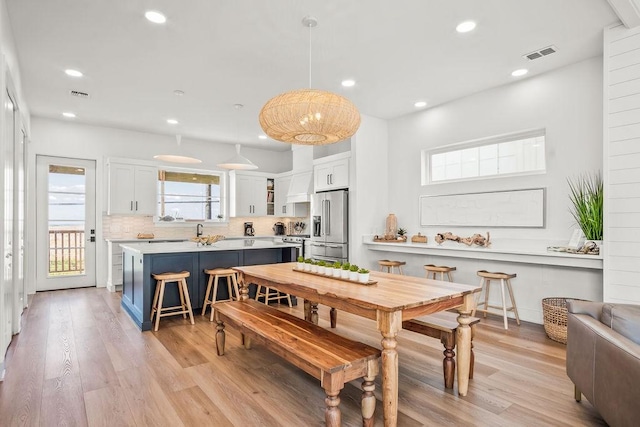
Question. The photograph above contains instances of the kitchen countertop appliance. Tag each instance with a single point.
(248, 229)
(279, 228)
(330, 230)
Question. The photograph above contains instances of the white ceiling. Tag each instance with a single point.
(222, 52)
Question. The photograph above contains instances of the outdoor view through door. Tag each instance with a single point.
(67, 234)
(66, 220)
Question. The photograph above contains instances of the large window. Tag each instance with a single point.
(516, 154)
(190, 195)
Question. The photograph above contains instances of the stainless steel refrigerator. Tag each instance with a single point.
(330, 231)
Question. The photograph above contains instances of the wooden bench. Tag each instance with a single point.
(332, 359)
(443, 325)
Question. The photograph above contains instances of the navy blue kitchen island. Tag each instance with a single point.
(142, 260)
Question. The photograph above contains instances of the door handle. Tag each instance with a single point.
(136, 205)
(330, 178)
(327, 227)
(327, 179)
(131, 208)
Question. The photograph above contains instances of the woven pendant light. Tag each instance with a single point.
(309, 116)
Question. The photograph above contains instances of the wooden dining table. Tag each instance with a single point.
(389, 301)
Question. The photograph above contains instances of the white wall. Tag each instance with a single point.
(622, 165)
(369, 186)
(69, 139)
(568, 104)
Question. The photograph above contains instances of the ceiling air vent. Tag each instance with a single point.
(79, 94)
(541, 52)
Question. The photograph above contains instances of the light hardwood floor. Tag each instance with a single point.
(81, 361)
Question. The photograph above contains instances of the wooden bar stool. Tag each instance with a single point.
(271, 295)
(185, 302)
(385, 263)
(442, 269)
(485, 283)
(214, 275)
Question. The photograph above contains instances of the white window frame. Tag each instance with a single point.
(427, 155)
(224, 199)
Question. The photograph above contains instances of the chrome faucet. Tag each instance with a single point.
(198, 230)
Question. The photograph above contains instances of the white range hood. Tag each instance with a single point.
(301, 187)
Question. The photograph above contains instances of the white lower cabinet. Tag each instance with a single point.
(114, 270)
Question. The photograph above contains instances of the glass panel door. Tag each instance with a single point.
(66, 211)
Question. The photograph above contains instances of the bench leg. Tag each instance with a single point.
(368, 397)
(448, 363)
(333, 316)
(472, 359)
(332, 414)
(220, 336)
(577, 394)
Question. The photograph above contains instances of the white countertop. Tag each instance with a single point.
(182, 239)
(532, 254)
(223, 245)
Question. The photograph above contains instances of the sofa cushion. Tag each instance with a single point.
(624, 319)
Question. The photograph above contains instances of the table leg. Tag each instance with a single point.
(307, 310)
(389, 324)
(314, 312)
(244, 288)
(464, 344)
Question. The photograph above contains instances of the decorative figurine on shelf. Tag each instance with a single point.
(391, 228)
(476, 239)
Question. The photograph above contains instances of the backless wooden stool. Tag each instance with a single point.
(271, 295)
(385, 263)
(485, 283)
(432, 270)
(185, 302)
(214, 275)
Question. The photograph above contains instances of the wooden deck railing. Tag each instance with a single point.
(66, 251)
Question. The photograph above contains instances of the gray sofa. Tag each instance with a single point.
(603, 358)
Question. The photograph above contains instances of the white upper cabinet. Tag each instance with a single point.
(248, 194)
(132, 189)
(331, 174)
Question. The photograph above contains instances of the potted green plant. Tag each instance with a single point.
(307, 264)
(353, 272)
(336, 269)
(363, 275)
(300, 264)
(344, 273)
(587, 198)
(321, 267)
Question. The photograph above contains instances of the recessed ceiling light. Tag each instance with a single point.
(348, 83)
(178, 92)
(73, 73)
(520, 72)
(69, 114)
(420, 104)
(466, 26)
(172, 121)
(155, 17)
(262, 136)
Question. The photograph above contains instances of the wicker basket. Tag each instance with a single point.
(554, 311)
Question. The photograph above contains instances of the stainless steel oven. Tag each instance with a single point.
(299, 241)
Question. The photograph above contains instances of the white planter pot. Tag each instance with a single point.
(321, 269)
(300, 266)
(344, 274)
(363, 277)
(328, 271)
(314, 268)
(336, 272)
(353, 275)
(307, 267)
